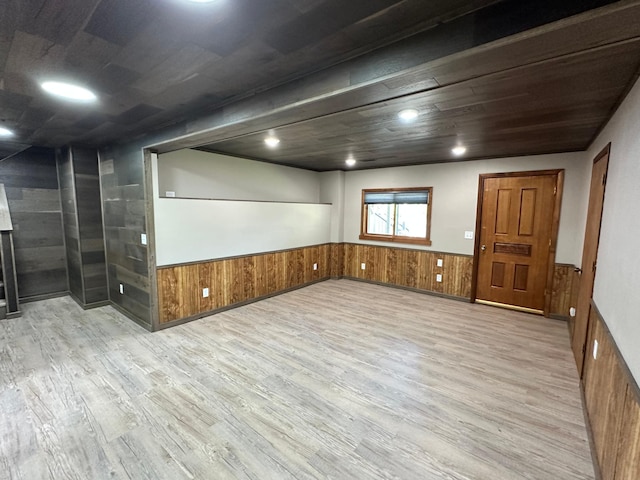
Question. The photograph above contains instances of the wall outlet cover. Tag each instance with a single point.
(439, 262)
(363, 266)
(439, 277)
(205, 292)
(315, 266)
(170, 194)
(143, 238)
(595, 349)
(468, 235)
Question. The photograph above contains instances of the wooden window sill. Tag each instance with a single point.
(384, 238)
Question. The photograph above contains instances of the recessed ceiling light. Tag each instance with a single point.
(459, 150)
(69, 91)
(272, 141)
(5, 132)
(408, 115)
(350, 161)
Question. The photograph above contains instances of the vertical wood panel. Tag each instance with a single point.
(563, 287)
(235, 280)
(612, 405)
(628, 461)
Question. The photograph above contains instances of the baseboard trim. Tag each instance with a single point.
(44, 296)
(410, 289)
(197, 316)
(146, 326)
(592, 444)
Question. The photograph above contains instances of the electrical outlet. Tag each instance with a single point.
(170, 194)
(363, 266)
(439, 277)
(572, 311)
(121, 289)
(143, 238)
(468, 235)
(315, 266)
(595, 349)
(439, 262)
(205, 292)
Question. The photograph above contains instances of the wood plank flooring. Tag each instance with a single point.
(339, 380)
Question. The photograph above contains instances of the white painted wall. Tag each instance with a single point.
(617, 284)
(332, 191)
(196, 174)
(455, 194)
(190, 230)
(195, 230)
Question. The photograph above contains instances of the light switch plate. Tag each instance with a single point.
(205, 292)
(315, 266)
(121, 289)
(363, 266)
(439, 277)
(468, 235)
(143, 238)
(439, 262)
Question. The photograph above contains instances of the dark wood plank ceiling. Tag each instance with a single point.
(155, 63)
(552, 106)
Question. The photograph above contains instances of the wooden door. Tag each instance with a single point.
(589, 256)
(515, 249)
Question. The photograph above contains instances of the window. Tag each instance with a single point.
(397, 215)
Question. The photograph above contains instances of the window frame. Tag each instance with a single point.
(393, 237)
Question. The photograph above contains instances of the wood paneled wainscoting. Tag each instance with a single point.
(415, 269)
(234, 281)
(612, 401)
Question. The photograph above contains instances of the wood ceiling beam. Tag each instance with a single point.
(427, 61)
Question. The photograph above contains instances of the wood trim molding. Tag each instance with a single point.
(394, 238)
(605, 151)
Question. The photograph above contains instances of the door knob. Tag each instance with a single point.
(483, 248)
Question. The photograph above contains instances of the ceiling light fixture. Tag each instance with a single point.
(350, 161)
(459, 150)
(5, 132)
(69, 91)
(408, 115)
(272, 142)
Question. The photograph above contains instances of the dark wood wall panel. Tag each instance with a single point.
(123, 198)
(31, 183)
(89, 211)
(82, 217)
(70, 223)
(236, 280)
(613, 405)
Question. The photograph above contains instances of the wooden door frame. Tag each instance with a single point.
(606, 151)
(559, 174)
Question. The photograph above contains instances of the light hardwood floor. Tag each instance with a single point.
(339, 380)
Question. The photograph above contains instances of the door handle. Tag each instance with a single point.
(483, 248)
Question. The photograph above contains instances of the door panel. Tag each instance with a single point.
(589, 256)
(516, 229)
